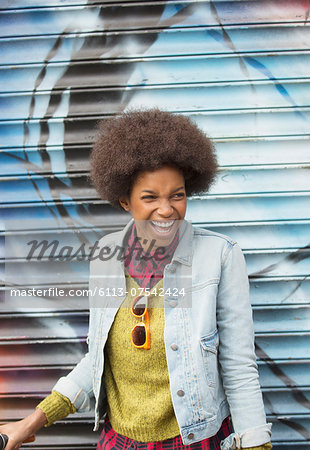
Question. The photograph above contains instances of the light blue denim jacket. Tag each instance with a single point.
(209, 337)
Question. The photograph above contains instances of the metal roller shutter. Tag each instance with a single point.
(240, 69)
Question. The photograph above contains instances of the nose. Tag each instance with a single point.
(165, 208)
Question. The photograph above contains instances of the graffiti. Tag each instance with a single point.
(289, 383)
(239, 69)
(101, 47)
(246, 61)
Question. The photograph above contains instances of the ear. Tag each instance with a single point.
(124, 203)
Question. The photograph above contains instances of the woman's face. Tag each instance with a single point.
(158, 204)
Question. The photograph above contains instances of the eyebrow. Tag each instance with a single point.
(154, 192)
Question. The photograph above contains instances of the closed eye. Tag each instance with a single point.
(179, 195)
(147, 197)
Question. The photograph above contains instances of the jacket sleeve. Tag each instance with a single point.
(77, 385)
(237, 353)
(267, 446)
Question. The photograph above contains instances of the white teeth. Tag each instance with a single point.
(163, 224)
(163, 227)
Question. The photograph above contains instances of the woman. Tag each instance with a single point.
(171, 345)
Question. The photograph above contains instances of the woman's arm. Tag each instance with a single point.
(77, 386)
(237, 353)
(56, 407)
(23, 430)
(74, 393)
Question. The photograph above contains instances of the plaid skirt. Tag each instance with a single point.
(109, 440)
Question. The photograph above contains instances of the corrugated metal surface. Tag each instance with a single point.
(240, 69)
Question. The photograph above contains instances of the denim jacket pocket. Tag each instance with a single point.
(209, 346)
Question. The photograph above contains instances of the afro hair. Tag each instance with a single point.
(146, 140)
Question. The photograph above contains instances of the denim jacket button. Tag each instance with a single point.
(172, 269)
(181, 393)
(190, 436)
(174, 347)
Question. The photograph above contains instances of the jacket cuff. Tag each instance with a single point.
(56, 407)
(79, 398)
(254, 437)
(260, 447)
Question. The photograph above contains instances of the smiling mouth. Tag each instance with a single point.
(163, 227)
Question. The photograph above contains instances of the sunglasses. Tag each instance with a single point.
(140, 334)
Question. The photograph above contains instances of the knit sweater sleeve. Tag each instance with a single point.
(56, 407)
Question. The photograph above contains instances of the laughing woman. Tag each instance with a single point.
(171, 359)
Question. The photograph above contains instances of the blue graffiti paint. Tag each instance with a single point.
(172, 10)
(217, 35)
(280, 88)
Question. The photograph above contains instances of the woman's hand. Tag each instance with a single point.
(24, 430)
(17, 435)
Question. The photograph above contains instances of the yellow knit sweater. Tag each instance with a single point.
(137, 380)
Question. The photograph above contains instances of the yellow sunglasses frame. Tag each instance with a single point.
(145, 322)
